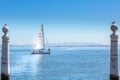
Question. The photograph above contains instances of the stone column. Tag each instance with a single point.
(5, 66)
(114, 75)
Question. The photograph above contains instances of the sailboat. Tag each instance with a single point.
(40, 43)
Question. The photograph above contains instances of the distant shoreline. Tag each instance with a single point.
(59, 45)
(62, 45)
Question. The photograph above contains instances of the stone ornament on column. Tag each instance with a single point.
(5, 29)
(114, 75)
(5, 66)
(114, 28)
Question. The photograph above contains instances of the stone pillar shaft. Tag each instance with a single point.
(5, 66)
(114, 74)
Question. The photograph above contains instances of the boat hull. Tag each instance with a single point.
(41, 52)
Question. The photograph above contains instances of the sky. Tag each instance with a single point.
(64, 21)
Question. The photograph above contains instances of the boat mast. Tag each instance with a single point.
(43, 36)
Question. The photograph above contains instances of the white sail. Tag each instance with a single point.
(40, 39)
(40, 44)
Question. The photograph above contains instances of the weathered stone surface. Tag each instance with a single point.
(5, 77)
(114, 77)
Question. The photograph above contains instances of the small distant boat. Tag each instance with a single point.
(40, 44)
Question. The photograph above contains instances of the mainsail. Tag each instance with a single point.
(40, 40)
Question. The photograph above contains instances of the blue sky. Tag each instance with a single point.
(64, 20)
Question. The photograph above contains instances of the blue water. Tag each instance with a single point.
(64, 63)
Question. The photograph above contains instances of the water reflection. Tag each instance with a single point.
(36, 63)
(26, 65)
